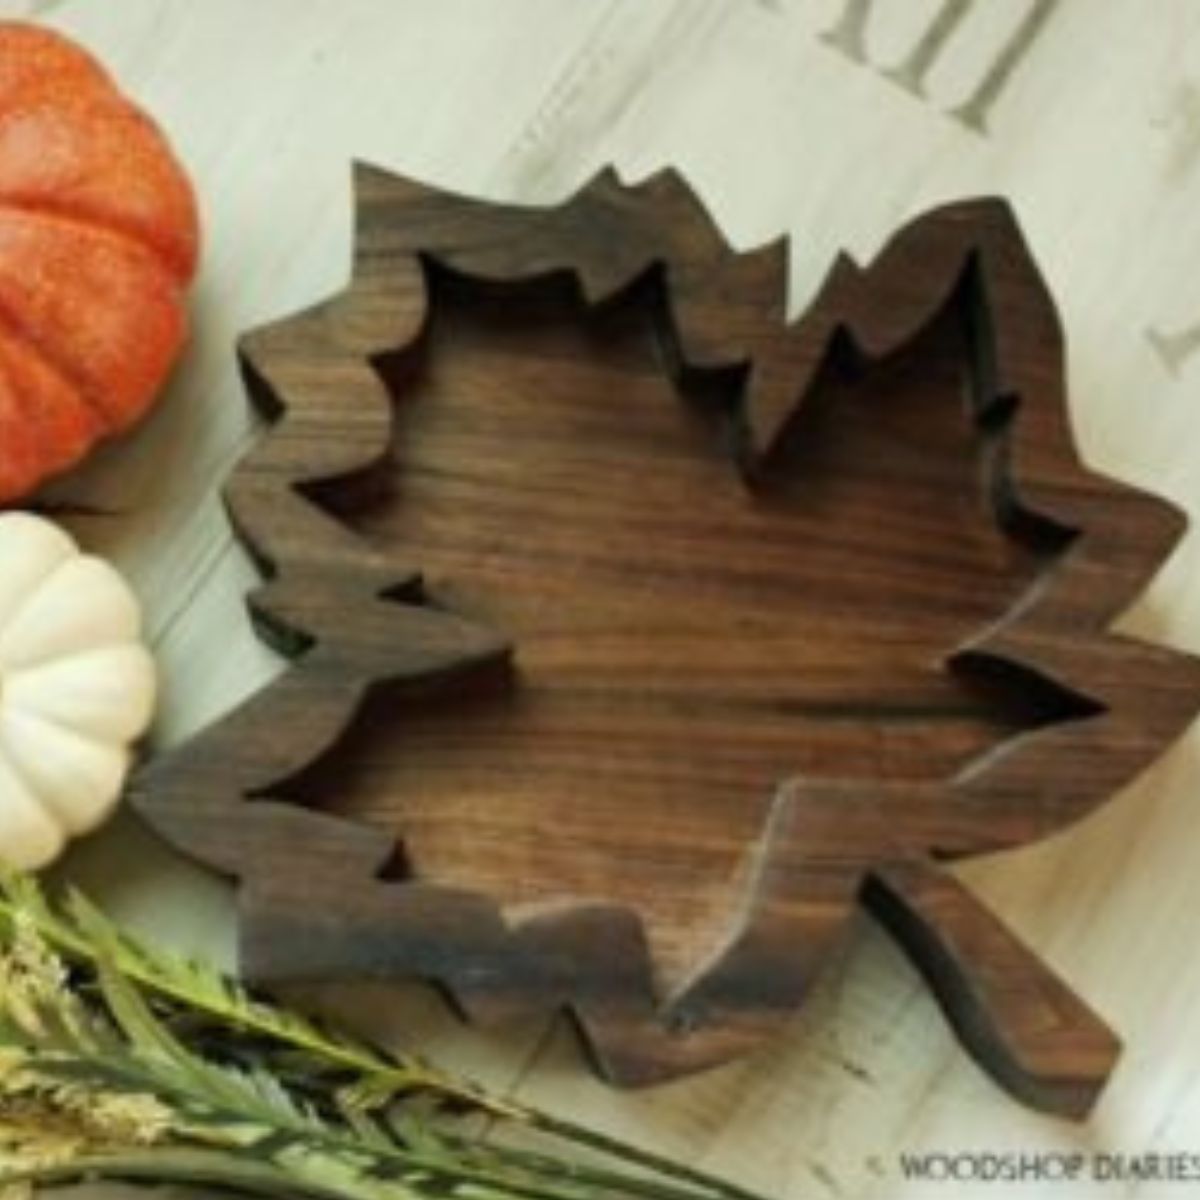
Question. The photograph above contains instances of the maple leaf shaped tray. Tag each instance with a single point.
(640, 633)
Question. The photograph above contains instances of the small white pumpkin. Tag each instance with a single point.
(77, 688)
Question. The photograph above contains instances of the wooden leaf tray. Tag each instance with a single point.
(640, 633)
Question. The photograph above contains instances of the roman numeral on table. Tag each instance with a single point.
(849, 37)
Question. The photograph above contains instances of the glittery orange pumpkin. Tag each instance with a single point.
(98, 241)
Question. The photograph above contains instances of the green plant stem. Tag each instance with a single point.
(191, 1167)
(615, 1148)
(597, 1176)
(392, 1076)
(257, 1022)
(394, 1161)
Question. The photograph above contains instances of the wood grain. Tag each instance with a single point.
(650, 626)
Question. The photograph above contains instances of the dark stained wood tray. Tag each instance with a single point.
(639, 632)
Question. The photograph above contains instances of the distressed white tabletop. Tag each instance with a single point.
(831, 119)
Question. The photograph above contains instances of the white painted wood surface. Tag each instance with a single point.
(1095, 136)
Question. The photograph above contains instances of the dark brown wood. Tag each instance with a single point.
(639, 633)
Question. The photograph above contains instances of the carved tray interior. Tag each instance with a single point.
(638, 632)
(683, 640)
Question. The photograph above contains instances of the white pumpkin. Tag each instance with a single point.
(77, 688)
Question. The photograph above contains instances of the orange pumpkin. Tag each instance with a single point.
(98, 242)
